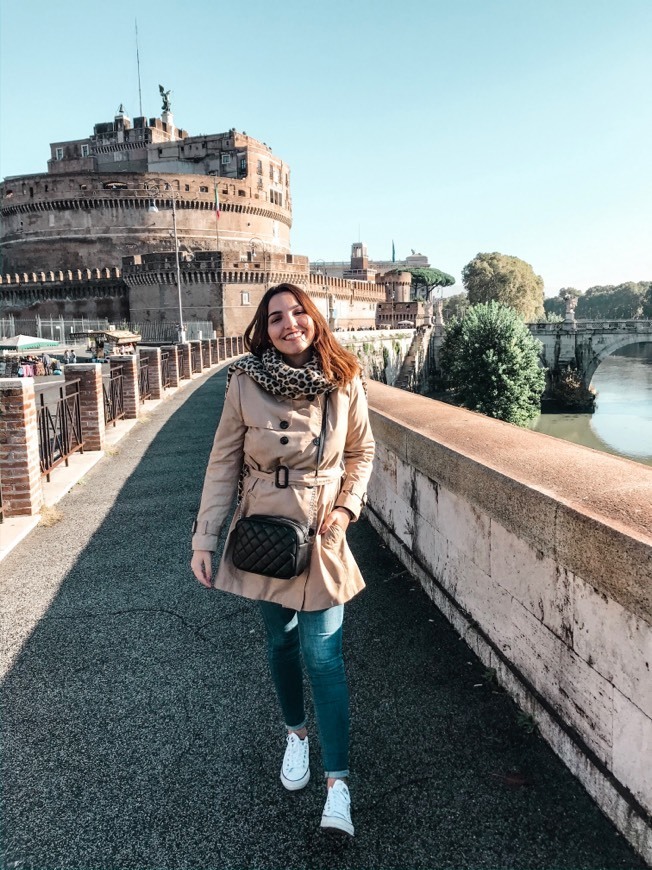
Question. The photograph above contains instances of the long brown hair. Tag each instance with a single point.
(339, 365)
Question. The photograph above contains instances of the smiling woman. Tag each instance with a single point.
(291, 329)
(295, 432)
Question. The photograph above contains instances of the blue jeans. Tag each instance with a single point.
(317, 635)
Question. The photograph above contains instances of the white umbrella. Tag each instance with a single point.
(26, 342)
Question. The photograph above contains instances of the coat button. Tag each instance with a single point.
(315, 441)
(285, 440)
(284, 424)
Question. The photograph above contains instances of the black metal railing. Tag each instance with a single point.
(165, 369)
(114, 400)
(58, 417)
(195, 359)
(183, 360)
(145, 389)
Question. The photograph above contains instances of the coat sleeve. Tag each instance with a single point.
(222, 473)
(358, 453)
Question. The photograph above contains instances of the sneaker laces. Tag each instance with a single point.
(338, 801)
(295, 753)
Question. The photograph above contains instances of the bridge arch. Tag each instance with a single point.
(614, 343)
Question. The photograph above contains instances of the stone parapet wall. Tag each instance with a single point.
(540, 554)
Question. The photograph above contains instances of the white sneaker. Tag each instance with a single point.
(295, 770)
(337, 811)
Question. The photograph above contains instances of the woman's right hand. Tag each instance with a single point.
(201, 567)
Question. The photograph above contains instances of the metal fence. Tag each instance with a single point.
(165, 369)
(58, 417)
(165, 333)
(114, 403)
(59, 328)
(53, 328)
(143, 371)
(195, 359)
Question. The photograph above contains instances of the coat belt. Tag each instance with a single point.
(301, 478)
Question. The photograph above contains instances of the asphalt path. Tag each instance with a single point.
(141, 732)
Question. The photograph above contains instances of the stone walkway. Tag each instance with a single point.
(140, 730)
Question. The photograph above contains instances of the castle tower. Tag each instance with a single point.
(397, 286)
(92, 206)
(359, 257)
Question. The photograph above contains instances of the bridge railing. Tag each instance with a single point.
(38, 435)
(643, 326)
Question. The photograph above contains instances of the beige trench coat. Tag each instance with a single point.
(263, 431)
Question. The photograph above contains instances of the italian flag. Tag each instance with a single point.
(217, 203)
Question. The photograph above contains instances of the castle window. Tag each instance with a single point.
(59, 154)
(242, 193)
(243, 163)
(203, 189)
(226, 159)
(84, 151)
(244, 299)
(187, 187)
(259, 167)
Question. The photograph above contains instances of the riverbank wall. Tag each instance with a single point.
(540, 554)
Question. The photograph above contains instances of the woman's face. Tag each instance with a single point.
(290, 329)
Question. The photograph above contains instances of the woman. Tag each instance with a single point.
(272, 417)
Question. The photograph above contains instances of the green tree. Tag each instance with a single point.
(508, 280)
(490, 361)
(647, 303)
(455, 306)
(609, 302)
(425, 280)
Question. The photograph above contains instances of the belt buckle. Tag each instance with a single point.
(277, 478)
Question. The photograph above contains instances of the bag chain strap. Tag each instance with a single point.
(320, 454)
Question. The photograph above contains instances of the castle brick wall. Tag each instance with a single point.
(75, 221)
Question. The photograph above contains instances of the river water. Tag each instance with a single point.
(622, 422)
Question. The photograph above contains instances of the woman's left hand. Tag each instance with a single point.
(341, 516)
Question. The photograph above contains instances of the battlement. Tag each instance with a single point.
(60, 277)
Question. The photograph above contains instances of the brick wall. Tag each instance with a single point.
(20, 470)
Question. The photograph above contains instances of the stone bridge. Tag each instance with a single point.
(576, 344)
(537, 551)
(583, 344)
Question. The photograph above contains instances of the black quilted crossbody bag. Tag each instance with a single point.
(275, 546)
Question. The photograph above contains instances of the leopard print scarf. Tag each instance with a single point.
(280, 379)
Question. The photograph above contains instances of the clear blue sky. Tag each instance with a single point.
(448, 126)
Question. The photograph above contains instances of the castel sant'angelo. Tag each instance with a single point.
(94, 236)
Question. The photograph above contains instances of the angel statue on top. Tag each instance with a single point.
(165, 96)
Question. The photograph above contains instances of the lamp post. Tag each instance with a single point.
(322, 267)
(153, 209)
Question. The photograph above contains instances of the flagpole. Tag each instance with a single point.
(217, 218)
